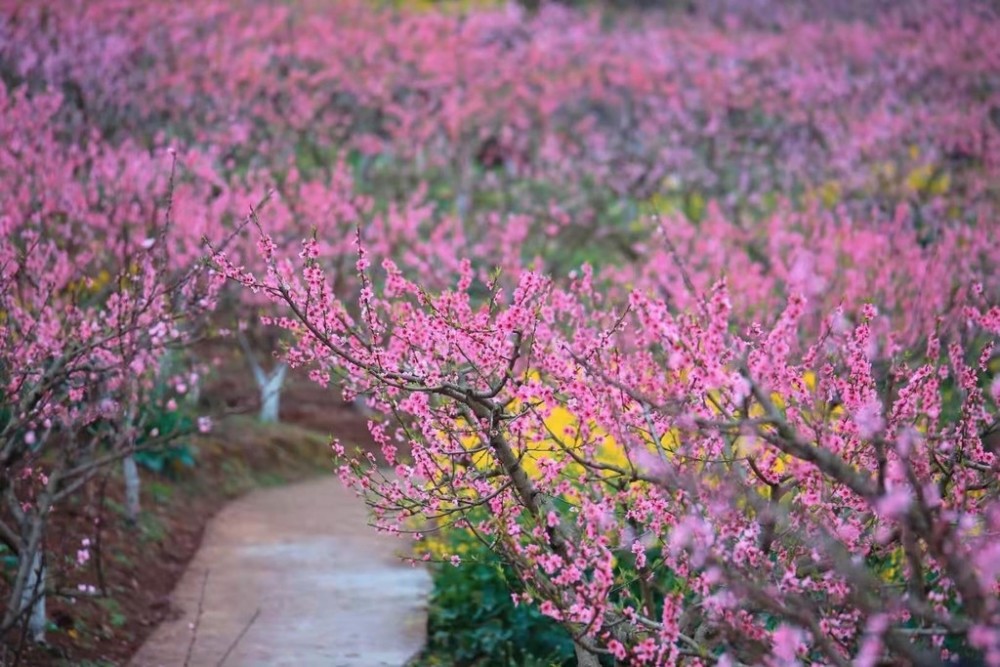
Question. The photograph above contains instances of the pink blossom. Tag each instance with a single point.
(787, 641)
(869, 419)
(895, 503)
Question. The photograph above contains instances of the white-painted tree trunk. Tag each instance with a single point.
(130, 471)
(34, 593)
(463, 204)
(360, 403)
(270, 385)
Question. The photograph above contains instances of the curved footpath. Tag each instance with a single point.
(299, 572)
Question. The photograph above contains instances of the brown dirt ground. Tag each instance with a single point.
(141, 564)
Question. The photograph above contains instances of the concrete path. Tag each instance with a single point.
(325, 589)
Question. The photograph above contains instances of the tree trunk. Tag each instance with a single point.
(270, 390)
(28, 587)
(132, 487)
(585, 658)
(33, 596)
(269, 384)
(360, 403)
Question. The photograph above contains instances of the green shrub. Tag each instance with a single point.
(473, 621)
(166, 429)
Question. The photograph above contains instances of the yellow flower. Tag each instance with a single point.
(828, 193)
(460, 6)
(928, 180)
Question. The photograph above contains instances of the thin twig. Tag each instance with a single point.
(197, 620)
(239, 637)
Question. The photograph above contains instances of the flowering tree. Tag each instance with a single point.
(681, 483)
(554, 107)
(91, 306)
